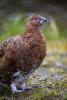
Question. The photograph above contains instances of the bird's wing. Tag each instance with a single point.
(3, 46)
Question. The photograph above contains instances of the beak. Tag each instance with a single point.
(43, 20)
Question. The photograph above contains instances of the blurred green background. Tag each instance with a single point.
(14, 14)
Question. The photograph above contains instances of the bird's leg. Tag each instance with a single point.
(15, 81)
(19, 80)
(23, 87)
(14, 88)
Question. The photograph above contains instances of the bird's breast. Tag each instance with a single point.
(35, 51)
(27, 53)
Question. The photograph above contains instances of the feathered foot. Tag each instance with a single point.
(14, 88)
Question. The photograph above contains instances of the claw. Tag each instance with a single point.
(24, 88)
(14, 89)
(27, 89)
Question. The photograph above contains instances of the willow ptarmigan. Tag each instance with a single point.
(22, 54)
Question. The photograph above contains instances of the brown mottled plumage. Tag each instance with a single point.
(23, 53)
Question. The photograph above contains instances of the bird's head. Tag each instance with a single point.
(37, 21)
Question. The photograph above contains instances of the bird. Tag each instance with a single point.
(21, 55)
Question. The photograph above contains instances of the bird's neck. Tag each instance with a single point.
(32, 29)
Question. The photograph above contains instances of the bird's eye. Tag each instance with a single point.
(36, 19)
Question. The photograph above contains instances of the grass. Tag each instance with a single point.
(54, 91)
